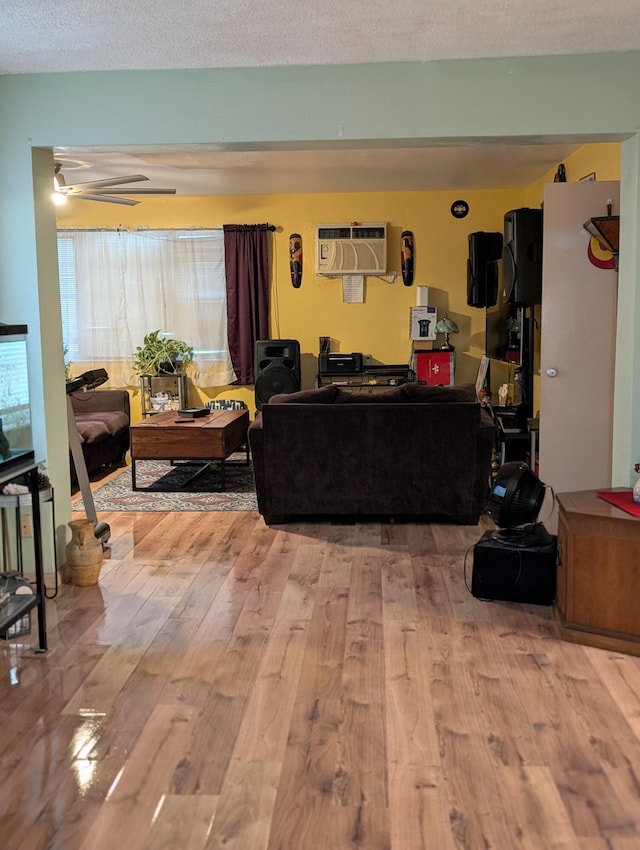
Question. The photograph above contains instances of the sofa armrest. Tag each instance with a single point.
(255, 437)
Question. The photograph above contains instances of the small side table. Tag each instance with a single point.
(16, 503)
(18, 606)
(598, 576)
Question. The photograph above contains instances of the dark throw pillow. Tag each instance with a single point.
(321, 395)
(367, 396)
(418, 393)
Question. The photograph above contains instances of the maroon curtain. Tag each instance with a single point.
(246, 250)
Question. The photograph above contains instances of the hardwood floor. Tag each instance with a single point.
(310, 687)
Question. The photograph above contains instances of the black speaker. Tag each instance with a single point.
(522, 257)
(276, 368)
(515, 566)
(485, 249)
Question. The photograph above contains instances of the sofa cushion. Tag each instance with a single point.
(319, 395)
(412, 392)
(97, 426)
(418, 393)
(92, 431)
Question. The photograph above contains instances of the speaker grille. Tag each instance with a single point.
(275, 380)
(485, 249)
(522, 256)
(277, 368)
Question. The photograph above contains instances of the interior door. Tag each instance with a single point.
(577, 343)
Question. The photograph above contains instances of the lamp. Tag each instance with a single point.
(59, 185)
(446, 326)
(58, 179)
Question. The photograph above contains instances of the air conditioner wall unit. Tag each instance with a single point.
(351, 249)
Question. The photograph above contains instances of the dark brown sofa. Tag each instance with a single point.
(413, 451)
(102, 418)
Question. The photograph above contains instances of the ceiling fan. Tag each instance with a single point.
(103, 190)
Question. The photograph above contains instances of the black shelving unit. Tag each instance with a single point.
(17, 607)
(370, 378)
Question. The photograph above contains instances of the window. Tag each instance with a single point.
(15, 419)
(118, 285)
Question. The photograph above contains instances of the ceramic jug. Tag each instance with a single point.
(84, 552)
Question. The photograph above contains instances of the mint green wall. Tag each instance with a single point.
(482, 99)
(626, 414)
(577, 98)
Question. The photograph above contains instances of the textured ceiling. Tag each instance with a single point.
(39, 36)
(85, 35)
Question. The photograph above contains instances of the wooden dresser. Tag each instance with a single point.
(598, 577)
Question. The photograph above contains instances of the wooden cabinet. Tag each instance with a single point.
(598, 573)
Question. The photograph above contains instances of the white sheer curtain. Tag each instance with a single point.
(117, 286)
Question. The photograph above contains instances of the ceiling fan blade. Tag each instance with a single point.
(134, 191)
(85, 196)
(110, 181)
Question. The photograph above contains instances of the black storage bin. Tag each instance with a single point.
(515, 566)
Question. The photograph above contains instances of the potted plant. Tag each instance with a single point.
(161, 355)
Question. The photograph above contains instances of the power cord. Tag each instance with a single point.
(515, 581)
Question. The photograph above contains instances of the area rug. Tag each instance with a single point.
(117, 495)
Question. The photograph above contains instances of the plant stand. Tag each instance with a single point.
(162, 392)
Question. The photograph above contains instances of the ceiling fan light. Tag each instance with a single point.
(59, 183)
(59, 198)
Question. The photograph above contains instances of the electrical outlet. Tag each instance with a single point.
(391, 276)
(26, 526)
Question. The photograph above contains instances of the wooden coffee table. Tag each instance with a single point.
(202, 440)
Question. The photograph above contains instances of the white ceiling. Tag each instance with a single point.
(38, 36)
(291, 172)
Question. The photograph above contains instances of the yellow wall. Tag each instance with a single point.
(602, 159)
(379, 326)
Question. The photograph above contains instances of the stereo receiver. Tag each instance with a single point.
(340, 364)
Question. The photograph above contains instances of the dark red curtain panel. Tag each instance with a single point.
(246, 249)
